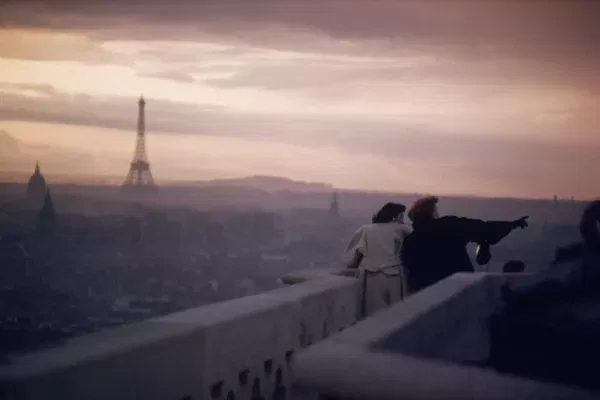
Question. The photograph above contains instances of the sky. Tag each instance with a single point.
(491, 98)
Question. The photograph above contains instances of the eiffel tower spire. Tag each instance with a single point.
(139, 180)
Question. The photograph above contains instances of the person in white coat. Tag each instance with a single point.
(375, 250)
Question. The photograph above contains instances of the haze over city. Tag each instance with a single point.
(485, 98)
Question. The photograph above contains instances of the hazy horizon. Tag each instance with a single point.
(493, 99)
(99, 181)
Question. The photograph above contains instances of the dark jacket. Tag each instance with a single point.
(436, 248)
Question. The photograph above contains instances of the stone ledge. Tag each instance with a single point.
(198, 352)
(129, 337)
(431, 332)
(343, 371)
(385, 322)
(305, 275)
(441, 302)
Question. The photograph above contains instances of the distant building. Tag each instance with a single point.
(46, 219)
(36, 187)
(334, 208)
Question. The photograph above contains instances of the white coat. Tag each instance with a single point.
(375, 250)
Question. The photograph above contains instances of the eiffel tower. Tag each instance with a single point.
(139, 180)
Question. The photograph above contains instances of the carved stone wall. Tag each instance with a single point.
(240, 349)
(417, 350)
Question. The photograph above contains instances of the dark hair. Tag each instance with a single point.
(423, 208)
(388, 212)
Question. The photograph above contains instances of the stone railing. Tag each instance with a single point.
(244, 348)
(305, 275)
(426, 347)
(239, 349)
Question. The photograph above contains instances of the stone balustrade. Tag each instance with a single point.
(305, 275)
(238, 349)
(426, 347)
(246, 349)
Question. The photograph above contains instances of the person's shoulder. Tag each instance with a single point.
(449, 220)
(367, 227)
(405, 228)
(454, 223)
(398, 228)
(453, 220)
(364, 229)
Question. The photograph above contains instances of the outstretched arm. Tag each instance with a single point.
(484, 232)
(498, 230)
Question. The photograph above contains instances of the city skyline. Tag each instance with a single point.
(462, 98)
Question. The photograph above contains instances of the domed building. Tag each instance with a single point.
(36, 188)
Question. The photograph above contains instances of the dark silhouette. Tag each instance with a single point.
(549, 329)
(581, 275)
(588, 228)
(436, 248)
(334, 208)
(36, 187)
(139, 180)
(46, 220)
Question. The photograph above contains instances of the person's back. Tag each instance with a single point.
(437, 249)
(375, 249)
(380, 245)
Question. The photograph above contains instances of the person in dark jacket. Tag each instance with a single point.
(436, 248)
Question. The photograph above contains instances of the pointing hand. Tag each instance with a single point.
(521, 222)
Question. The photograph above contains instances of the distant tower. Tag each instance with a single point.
(334, 208)
(139, 180)
(46, 219)
(36, 188)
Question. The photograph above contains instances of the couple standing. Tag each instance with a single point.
(396, 260)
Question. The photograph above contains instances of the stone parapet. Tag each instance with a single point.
(238, 349)
(423, 348)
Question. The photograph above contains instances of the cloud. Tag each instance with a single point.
(26, 89)
(413, 149)
(43, 45)
(426, 70)
(326, 48)
(8, 144)
(105, 112)
(358, 133)
(556, 31)
(17, 156)
(173, 75)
